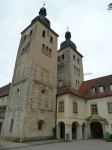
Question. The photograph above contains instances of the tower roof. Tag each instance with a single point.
(42, 17)
(68, 42)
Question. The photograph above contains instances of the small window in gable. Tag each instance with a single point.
(51, 39)
(101, 89)
(43, 34)
(110, 87)
(93, 90)
(73, 57)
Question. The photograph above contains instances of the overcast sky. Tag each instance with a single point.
(89, 21)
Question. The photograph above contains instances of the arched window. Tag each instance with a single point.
(43, 34)
(93, 90)
(11, 125)
(23, 51)
(110, 87)
(62, 56)
(79, 72)
(46, 51)
(43, 48)
(40, 125)
(50, 52)
(101, 89)
(76, 82)
(78, 61)
(60, 83)
(51, 39)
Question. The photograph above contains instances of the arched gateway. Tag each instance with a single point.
(96, 127)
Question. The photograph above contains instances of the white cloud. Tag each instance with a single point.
(89, 23)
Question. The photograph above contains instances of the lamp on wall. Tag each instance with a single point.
(106, 122)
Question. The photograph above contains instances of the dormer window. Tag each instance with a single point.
(101, 89)
(85, 92)
(93, 90)
(110, 87)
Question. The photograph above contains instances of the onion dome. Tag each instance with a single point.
(68, 42)
(42, 17)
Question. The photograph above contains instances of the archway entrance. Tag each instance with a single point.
(62, 130)
(96, 130)
(74, 130)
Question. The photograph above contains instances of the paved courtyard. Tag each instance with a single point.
(95, 144)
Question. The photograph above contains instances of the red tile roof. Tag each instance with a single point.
(4, 91)
(67, 89)
(87, 85)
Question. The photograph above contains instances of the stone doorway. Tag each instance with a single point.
(96, 130)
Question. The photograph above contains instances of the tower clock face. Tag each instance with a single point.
(28, 31)
(48, 32)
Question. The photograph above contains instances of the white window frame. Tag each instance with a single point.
(93, 90)
(75, 110)
(110, 107)
(94, 109)
(61, 106)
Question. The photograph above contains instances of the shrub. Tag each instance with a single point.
(110, 136)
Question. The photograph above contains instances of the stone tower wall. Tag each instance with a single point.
(67, 75)
(33, 73)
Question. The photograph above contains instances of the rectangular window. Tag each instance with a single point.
(94, 109)
(61, 106)
(75, 107)
(59, 58)
(43, 34)
(110, 107)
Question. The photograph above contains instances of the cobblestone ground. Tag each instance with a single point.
(74, 145)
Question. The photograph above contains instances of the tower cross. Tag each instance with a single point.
(67, 28)
(44, 4)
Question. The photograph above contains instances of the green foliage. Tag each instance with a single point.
(54, 131)
(110, 136)
(110, 7)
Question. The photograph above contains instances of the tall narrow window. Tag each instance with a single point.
(73, 57)
(11, 125)
(40, 125)
(79, 72)
(43, 34)
(51, 39)
(59, 58)
(76, 82)
(50, 52)
(62, 56)
(78, 61)
(94, 109)
(74, 107)
(24, 37)
(43, 48)
(60, 83)
(30, 32)
(46, 51)
(61, 106)
(110, 107)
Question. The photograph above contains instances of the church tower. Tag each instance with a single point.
(70, 66)
(30, 113)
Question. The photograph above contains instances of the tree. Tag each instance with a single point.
(110, 7)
